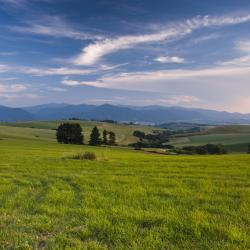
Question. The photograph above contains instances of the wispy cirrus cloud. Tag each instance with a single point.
(150, 80)
(13, 3)
(93, 53)
(12, 88)
(3, 68)
(218, 87)
(205, 38)
(53, 26)
(58, 71)
(243, 47)
(35, 71)
(54, 71)
(169, 59)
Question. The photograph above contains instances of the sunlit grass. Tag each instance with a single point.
(123, 200)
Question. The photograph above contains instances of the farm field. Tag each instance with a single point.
(124, 199)
(236, 138)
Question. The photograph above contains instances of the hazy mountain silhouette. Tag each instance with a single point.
(150, 114)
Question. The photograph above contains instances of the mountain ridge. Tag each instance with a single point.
(121, 113)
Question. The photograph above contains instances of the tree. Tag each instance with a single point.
(139, 134)
(248, 148)
(112, 138)
(105, 137)
(95, 137)
(69, 133)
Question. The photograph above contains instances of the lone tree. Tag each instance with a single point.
(141, 135)
(95, 137)
(112, 138)
(69, 133)
(105, 137)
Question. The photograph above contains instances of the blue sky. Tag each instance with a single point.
(173, 53)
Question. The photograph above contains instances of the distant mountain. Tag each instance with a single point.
(59, 111)
(14, 114)
(147, 114)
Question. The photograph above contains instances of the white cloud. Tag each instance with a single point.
(206, 38)
(169, 59)
(3, 68)
(54, 71)
(92, 53)
(215, 88)
(54, 27)
(110, 67)
(244, 60)
(12, 88)
(69, 82)
(240, 61)
(63, 71)
(17, 92)
(244, 46)
(73, 83)
(150, 80)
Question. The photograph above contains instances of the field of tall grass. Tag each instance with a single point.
(123, 199)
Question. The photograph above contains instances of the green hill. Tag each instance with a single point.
(123, 132)
(236, 138)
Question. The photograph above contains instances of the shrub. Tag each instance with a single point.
(85, 156)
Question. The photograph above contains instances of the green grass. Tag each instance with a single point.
(123, 132)
(236, 138)
(123, 200)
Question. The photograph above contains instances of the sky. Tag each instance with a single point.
(188, 53)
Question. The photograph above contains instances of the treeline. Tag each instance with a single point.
(71, 133)
(155, 140)
(208, 149)
(160, 139)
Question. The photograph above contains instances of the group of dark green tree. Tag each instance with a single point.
(71, 133)
(160, 139)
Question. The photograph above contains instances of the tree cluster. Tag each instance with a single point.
(108, 137)
(69, 133)
(211, 149)
(156, 140)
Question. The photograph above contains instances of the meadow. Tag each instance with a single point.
(236, 138)
(123, 131)
(125, 199)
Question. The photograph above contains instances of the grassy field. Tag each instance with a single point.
(123, 132)
(125, 199)
(236, 138)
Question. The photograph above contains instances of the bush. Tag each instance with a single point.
(85, 156)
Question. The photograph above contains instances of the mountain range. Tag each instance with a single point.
(147, 114)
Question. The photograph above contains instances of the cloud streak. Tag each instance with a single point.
(169, 59)
(93, 53)
(54, 27)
